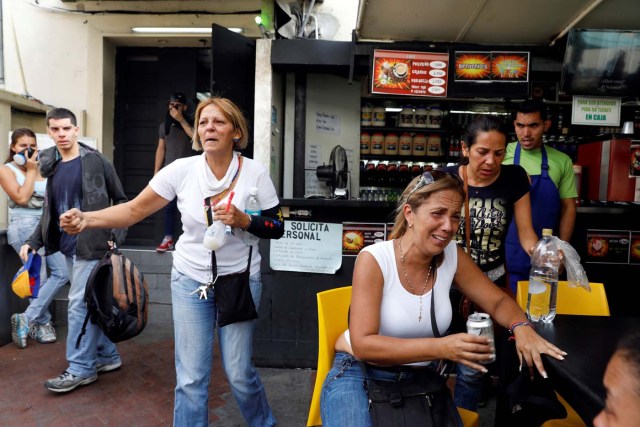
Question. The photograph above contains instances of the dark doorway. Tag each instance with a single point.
(145, 79)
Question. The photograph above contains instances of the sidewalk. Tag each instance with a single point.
(138, 394)
(141, 392)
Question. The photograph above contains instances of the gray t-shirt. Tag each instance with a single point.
(177, 143)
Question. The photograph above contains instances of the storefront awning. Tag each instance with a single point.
(523, 22)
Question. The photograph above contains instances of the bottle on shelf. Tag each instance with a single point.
(435, 117)
(369, 178)
(405, 144)
(252, 207)
(419, 145)
(543, 279)
(433, 145)
(391, 144)
(381, 174)
(392, 174)
(379, 116)
(406, 117)
(452, 146)
(377, 143)
(366, 113)
(421, 117)
(365, 143)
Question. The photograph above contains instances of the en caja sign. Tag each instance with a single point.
(399, 72)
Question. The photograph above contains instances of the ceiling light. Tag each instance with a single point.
(180, 30)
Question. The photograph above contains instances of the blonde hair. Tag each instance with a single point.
(231, 112)
(416, 197)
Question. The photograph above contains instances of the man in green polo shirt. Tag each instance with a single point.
(553, 188)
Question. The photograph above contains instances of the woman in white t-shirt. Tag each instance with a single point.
(220, 178)
(25, 187)
(400, 286)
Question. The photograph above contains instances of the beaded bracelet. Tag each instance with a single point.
(516, 324)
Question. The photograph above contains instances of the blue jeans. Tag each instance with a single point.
(19, 230)
(194, 326)
(95, 347)
(344, 400)
(468, 388)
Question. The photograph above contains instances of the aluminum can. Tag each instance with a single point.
(482, 325)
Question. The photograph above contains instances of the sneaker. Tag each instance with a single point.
(108, 367)
(19, 329)
(44, 334)
(66, 382)
(166, 245)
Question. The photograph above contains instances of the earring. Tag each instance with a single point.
(236, 140)
(410, 225)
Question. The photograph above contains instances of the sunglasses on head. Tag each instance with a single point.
(431, 177)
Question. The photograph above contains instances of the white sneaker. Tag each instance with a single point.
(44, 334)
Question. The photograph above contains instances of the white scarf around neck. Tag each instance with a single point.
(209, 184)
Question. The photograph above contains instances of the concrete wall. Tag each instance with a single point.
(66, 58)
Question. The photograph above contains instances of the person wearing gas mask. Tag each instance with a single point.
(21, 180)
(174, 142)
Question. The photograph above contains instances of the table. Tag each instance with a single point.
(589, 342)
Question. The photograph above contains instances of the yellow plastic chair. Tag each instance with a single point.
(572, 301)
(333, 309)
(577, 301)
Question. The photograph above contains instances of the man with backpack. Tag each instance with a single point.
(81, 177)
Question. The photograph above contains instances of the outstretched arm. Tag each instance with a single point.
(505, 311)
(123, 215)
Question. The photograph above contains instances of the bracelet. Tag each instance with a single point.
(514, 325)
(249, 225)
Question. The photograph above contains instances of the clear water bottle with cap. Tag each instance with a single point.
(543, 279)
(252, 207)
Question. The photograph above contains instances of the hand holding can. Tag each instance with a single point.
(481, 324)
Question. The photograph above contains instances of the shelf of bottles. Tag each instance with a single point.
(396, 146)
(432, 134)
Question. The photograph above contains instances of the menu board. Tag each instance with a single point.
(409, 73)
(492, 66)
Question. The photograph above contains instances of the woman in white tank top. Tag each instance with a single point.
(400, 306)
(25, 187)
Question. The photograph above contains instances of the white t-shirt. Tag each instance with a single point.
(400, 308)
(179, 179)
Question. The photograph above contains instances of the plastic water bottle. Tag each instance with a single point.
(543, 279)
(252, 207)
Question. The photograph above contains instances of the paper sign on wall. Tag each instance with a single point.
(596, 111)
(311, 247)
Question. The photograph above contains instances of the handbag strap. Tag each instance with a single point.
(467, 216)
(214, 261)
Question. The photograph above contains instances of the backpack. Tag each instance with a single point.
(117, 298)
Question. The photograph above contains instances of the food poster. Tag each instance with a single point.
(491, 66)
(634, 164)
(634, 248)
(399, 72)
(608, 246)
(357, 235)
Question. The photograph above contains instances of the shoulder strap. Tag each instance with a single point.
(467, 216)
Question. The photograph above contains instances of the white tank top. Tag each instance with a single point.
(399, 309)
(39, 188)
